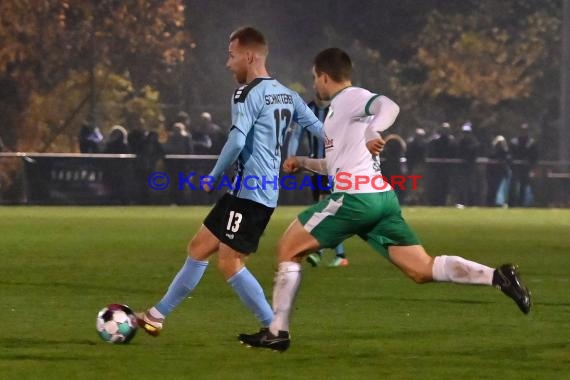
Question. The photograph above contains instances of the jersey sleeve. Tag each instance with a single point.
(361, 99)
(385, 112)
(294, 139)
(229, 153)
(245, 110)
(306, 119)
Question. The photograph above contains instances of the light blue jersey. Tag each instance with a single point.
(316, 144)
(262, 111)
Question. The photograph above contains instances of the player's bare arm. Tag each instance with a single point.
(315, 165)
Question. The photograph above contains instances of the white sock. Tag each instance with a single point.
(457, 269)
(153, 311)
(287, 282)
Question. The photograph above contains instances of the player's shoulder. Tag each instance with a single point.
(359, 91)
(256, 87)
(276, 88)
(353, 96)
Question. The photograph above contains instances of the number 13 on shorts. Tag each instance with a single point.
(234, 221)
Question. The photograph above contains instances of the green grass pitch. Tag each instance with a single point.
(60, 265)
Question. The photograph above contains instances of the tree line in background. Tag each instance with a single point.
(496, 64)
(63, 62)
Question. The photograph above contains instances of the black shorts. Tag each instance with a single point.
(238, 222)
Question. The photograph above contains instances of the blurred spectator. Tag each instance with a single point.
(2, 146)
(135, 139)
(179, 142)
(184, 118)
(467, 150)
(394, 164)
(214, 132)
(524, 150)
(498, 173)
(204, 134)
(415, 159)
(152, 153)
(90, 138)
(416, 150)
(117, 142)
(442, 146)
(118, 170)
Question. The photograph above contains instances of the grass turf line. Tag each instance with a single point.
(60, 265)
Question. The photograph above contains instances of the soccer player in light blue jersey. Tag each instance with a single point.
(262, 109)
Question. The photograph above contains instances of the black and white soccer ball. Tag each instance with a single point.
(116, 323)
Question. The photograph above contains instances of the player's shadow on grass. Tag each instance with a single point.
(427, 300)
(512, 354)
(19, 344)
(24, 342)
(46, 358)
(466, 301)
(79, 286)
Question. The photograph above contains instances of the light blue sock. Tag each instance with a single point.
(339, 250)
(185, 281)
(251, 294)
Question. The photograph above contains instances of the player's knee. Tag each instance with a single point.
(225, 270)
(293, 246)
(192, 247)
(198, 250)
(229, 266)
(283, 252)
(223, 265)
(287, 251)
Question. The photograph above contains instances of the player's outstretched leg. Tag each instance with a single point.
(202, 245)
(152, 320)
(418, 265)
(507, 279)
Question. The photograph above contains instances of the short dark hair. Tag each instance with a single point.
(334, 62)
(250, 37)
(183, 117)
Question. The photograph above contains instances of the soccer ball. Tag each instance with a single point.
(116, 323)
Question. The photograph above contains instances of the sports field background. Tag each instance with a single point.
(60, 265)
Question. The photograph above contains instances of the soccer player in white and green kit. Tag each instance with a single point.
(360, 204)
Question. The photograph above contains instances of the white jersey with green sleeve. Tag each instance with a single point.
(354, 169)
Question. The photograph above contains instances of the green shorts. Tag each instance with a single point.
(375, 217)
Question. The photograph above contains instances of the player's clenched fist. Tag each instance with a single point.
(375, 146)
(291, 165)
